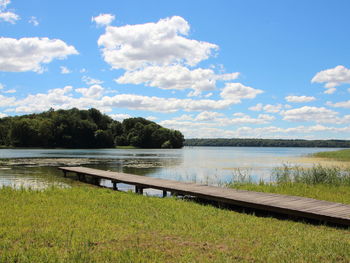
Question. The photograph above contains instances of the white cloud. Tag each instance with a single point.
(10, 91)
(208, 116)
(120, 116)
(314, 114)
(300, 99)
(341, 104)
(176, 77)
(163, 43)
(91, 97)
(95, 91)
(3, 4)
(210, 120)
(270, 108)
(332, 77)
(91, 81)
(193, 130)
(157, 104)
(9, 17)
(2, 115)
(65, 70)
(261, 119)
(1, 86)
(151, 118)
(33, 20)
(6, 101)
(83, 70)
(257, 107)
(103, 19)
(237, 91)
(273, 108)
(184, 117)
(28, 54)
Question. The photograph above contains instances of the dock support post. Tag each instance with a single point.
(164, 193)
(79, 176)
(96, 181)
(138, 190)
(115, 187)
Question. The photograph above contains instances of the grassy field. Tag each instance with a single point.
(342, 155)
(89, 224)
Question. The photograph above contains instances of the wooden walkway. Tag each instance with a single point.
(283, 204)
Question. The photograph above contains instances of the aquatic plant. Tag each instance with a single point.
(317, 174)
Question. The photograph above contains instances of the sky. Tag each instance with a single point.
(225, 68)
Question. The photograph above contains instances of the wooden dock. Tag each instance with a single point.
(283, 204)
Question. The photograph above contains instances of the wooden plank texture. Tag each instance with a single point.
(284, 204)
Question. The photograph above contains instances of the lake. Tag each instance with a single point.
(210, 165)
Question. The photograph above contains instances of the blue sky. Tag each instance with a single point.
(262, 69)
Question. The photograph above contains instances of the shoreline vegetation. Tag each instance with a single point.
(255, 142)
(76, 128)
(340, 155)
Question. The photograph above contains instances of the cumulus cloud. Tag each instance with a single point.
(28, 54)
(6, 101)
(300, 99)
(9, 17)
(65, 70)
(93, 97)
(120, 116)
(208, 116)
(237, 91)
(209, 120)
(314, 114)
(332, 77)
(270, 108)
(273, 108)
(340, 104)
(2, 115)
(175, 77)
(10, 91)
(103, 19)
(195, 130)
(91, 81)
(5, 15)
(157, 104)
(257, 107)
(95, 91)
(33, 20)
(163, 43)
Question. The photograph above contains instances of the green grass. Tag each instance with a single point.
(88, 224)
(341, 155)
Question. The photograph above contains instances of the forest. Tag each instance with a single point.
(76, 128)
(267, 142)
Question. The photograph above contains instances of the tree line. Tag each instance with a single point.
(267, 142)
(76, 128)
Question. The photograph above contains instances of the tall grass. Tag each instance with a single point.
(342, 155)
(317, 174)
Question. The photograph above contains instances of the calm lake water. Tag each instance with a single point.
(211, 165)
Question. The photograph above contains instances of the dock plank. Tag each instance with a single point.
(284, 204)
